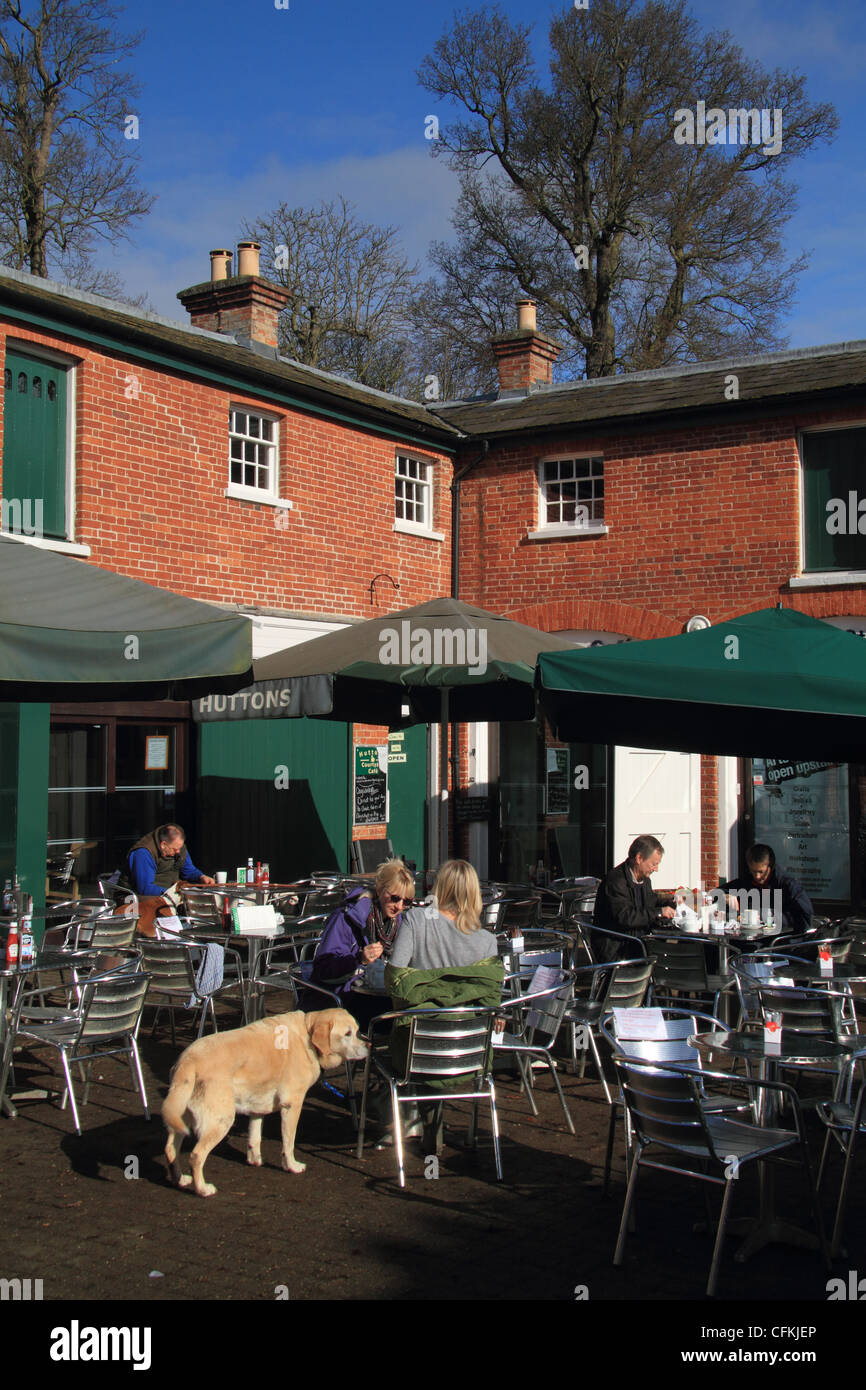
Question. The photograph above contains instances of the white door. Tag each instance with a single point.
(659, 793)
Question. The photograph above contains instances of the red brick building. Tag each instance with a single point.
(195, 458)
(623, 508)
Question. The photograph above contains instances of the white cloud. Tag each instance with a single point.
(406, 188)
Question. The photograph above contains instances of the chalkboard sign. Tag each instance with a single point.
(558, 762)
(371, 786)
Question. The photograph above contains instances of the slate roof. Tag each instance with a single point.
(206, 352)
(767, 381)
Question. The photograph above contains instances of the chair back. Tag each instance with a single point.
(625, 984)
(321, 902)
(815, 1012)
(512, 914)
(678, 1025)
(664, 1106)
(168, 964)
(748, 973)
(681, 966)
(544, 1016)
(450, 1043)
(108, 932)
(111, 1005)
(807, 948)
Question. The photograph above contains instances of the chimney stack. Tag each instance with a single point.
(220, 264)
(244, 306)
(248, 257)
(525, 359)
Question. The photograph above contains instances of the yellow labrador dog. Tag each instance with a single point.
(267, 1066)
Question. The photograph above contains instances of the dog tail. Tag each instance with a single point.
(182, 1082)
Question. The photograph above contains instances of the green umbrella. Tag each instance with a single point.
(439, 661)
(484, 663)
(71, 631)
(766, 684)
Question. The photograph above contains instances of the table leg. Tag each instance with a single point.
(769, 1229)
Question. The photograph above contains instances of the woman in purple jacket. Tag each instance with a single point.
(361, 931)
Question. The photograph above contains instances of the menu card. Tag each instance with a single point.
(639, 1023)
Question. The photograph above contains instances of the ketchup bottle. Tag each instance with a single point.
(12, 947)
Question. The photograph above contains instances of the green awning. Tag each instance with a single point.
(770, 683)
(71, 631)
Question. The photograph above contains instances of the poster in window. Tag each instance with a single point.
(558, 767)
(802, 812)
(371, 785)
(156, 753)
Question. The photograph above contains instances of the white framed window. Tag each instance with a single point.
(413, 496)
(570, 497)
(254, 452)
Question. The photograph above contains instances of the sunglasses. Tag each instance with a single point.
(395, 898)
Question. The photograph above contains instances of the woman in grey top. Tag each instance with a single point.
(448, 933)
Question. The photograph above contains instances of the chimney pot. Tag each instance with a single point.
(526, 322)
(248, 257)
(220, 264)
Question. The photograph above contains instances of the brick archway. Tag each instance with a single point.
(598, 615)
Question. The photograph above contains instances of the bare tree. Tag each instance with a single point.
(351, 290)
(642, 249)
(67, 168)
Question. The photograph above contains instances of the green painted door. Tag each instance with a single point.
(34, 446)
(407, 788)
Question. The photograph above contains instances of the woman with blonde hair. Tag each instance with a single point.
(449, 932)
(363, 929)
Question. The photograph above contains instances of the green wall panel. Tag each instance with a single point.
(276, 789)
(24, 796)
(407, 787)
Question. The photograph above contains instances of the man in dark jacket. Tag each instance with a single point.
(761, 875)
(157, 861)
(625, 901)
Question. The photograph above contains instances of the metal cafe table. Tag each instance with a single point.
(795, 1049)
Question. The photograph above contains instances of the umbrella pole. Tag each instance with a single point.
(443, 775)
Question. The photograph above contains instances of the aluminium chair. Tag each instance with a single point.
(642, 1041)
(681, 972)
(845, 1123)
(533, 1021)
(445, 1048)
(105, 1024)
(173, 971)
(675, 1134)
(621, 984)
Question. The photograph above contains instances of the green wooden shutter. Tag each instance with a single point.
(34, 445)
(833, 487)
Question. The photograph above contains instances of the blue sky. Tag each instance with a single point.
(245, 105)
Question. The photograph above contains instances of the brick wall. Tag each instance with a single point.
(152, 470)
(700, 521)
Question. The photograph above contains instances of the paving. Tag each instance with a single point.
(95, 1217)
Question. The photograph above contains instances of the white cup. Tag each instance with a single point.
(221, 876)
